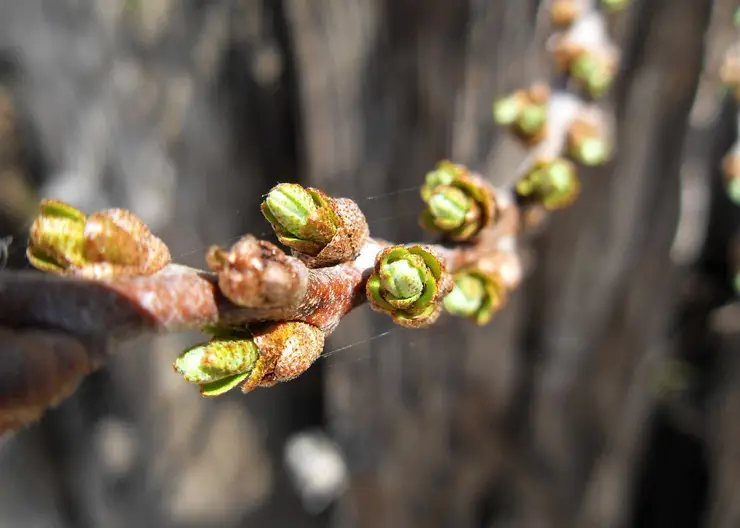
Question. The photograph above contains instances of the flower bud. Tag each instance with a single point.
(407, 284)
(477, 294)
(595, 72)
(445, 173)
(258, 356)
(403, 279)
(525, 113)
(300, 217)
(506, 111)
(320, 230)
(564, 12)
(466, 296)
(551, 183)
(107, 243)
(532, 119)
(587, 143)
(220, 358)
(460, 208)
(57, 237)
(449, 206)
(291, 205)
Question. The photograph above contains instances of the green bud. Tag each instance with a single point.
(560, 178)
(466, 297)
(57, 237)
(532, 118)
(220, 358)
(64, 239)
(303, 219)
(403, 279)
(615, 5)
(439, 177)
(407, 284)
(449, 206)
(591, 152)
(591, 71)
(733, 190)
(291, 205)
(584, 66)
(554, 184)
(506, 110)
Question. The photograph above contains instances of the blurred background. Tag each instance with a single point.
(606, 393)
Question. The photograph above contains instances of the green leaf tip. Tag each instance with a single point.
(220, 358)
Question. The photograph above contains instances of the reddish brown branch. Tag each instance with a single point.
(54, 328)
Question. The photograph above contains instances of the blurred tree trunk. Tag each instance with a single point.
(555, 415)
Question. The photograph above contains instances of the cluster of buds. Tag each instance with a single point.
(108, 243)
(256, 356)
(524, 113)
(459, 204)
(268, 313)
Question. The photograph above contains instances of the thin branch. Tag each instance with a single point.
(269, 313)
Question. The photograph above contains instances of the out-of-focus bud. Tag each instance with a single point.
(731, 172)
(614, 6)
(449, 207)
(477, 295)
(588, 142)
(593, 69)
(459, 204)
(564, 12)
(524, 113)
(552, 183)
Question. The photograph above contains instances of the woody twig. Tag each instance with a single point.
(268, 312)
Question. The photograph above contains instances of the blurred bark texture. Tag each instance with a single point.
(607, 392)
